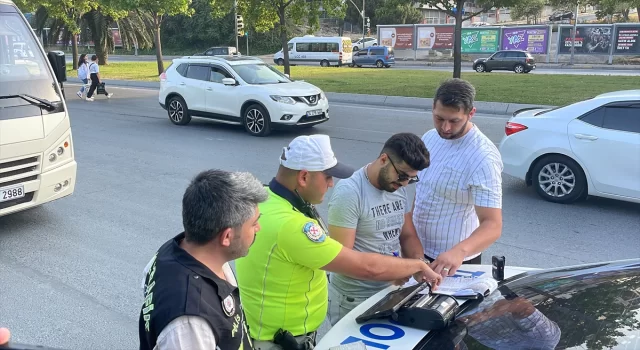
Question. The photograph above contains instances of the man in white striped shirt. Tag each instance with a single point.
(458, 205)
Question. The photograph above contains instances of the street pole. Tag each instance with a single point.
(235, 11)
(573, 35)
(246, 33)
(363, 19)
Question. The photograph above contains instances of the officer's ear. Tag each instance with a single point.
(225, 237)
(303, 178)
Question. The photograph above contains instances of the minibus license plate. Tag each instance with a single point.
(11, 193)
(314, 112)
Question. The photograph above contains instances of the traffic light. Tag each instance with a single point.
(240, 25)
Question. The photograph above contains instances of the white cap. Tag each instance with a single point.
(313, 153)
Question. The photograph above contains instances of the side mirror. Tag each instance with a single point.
(228, 81)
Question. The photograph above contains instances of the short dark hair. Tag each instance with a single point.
(409, 148)
(94, 57)
(456, 93)
(216, 200)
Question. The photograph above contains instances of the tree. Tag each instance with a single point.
(529, 10)
(397, 12)
(264, 15)
(451, 8)
(70, 12)
(159, 10)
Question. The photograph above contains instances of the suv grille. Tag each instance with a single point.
(19, 170)
(311, 100)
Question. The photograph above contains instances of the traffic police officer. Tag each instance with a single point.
(282, 286)
(191, 298)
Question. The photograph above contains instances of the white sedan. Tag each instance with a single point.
(591, 147)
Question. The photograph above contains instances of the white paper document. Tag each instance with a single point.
(461, 286)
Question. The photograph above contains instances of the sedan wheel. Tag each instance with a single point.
(480, 68)
(559, 179)
(518, 68)
(257, 121)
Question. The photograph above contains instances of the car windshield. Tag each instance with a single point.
(261, 73)
(586, 307)
(23, 66)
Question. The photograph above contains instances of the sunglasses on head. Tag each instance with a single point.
(402, 177)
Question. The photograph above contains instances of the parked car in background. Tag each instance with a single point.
(379, 56)
(591, 147)
(516, 60)
(241, 90)
(219, 51)
(364, 43)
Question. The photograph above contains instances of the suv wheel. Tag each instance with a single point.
(256, 120)
(559, 179)
(280, 62)
(379, 64)
(480, 68)
(178, 111)
(518, 68)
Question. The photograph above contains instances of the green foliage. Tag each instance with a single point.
(397, 12)
(528, 10)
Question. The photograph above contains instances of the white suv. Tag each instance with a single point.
(239, 90)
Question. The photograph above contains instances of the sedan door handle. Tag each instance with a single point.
(183, 84)
(585, 137)
(209, 89)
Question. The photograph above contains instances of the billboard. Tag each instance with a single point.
(396, 37)
(436, 37)
(595, 39)
(627, 41)
(533, 40)
(480, 40)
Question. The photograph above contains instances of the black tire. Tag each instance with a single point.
(280, 62)
(324, 63)
(256, 120)
(481, 68)
(355, 48)
(379, 64)
(178, 111)
(518, 68)
(565, 178)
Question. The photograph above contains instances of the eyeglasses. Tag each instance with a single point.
(402, 177)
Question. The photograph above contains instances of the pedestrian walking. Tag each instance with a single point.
(83, 73)
(94, 71)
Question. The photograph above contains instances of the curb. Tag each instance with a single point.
(497, 108)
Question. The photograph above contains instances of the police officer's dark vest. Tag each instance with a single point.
(179, 285)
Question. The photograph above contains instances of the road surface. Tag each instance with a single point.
(72, 270)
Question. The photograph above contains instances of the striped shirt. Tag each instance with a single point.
(464, 173)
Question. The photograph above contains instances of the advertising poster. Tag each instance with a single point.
(627, 41)
(434, 38)
(480, 41)
(533, 40)
(397, 37)
(589, 40)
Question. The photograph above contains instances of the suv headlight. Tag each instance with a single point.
(283, 99)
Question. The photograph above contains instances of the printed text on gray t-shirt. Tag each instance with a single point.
(377, 216)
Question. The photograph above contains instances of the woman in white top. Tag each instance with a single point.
(83, 73)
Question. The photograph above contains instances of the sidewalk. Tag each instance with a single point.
(497, 108)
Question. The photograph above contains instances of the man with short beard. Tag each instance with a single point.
(191, 295)
(371, 212)
(458, 203)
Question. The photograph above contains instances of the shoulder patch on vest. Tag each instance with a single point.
(229, 305)
(314, 232)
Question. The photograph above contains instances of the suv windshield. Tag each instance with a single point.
(256, 74)
(23, 67)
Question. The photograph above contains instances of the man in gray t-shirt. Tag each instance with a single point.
(371, 212)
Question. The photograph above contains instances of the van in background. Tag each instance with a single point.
(327, 51)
